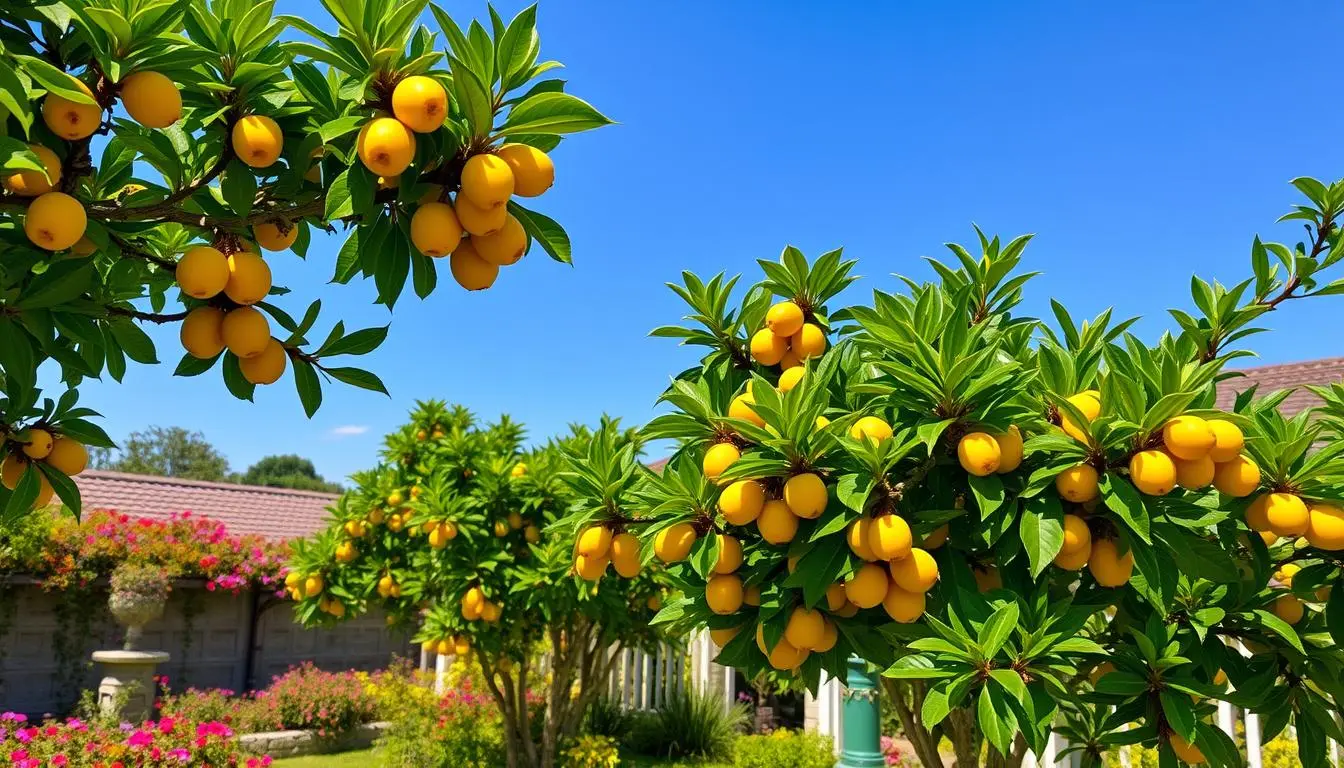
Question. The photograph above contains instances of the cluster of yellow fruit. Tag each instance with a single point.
(388, 586)
(65, 454)
(475, 606)
(301, 585)
(56, 221)
(457, 645)
(983, 454)
(494, 238)
(787, 340)
(1101, 555)
(1282, 513)
(597, 547)
(205, 272)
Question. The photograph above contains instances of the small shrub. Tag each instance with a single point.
(783, 749)
(693, 724)
(76, 743)
(305, 698)
(606, 717)
(460, 728)
(591, 751)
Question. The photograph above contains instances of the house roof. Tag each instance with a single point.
(276, 513)
(1272, 378)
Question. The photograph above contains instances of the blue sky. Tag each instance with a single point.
(1142, 143)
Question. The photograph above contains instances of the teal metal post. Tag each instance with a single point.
(862, 724)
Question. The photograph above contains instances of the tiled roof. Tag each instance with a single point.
(276, 513)
(1272, 378)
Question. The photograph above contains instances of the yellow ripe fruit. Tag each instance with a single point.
(313, 585)
(806, 495)
(835, 597)
(805, 628)
(718, 458)
(1287, 514)
(730, 554)
(752, 596)
(449, 529)
(70, 457)
(1073, 561)
(790, 360)
(988, 579)
(151, 99)
(903, 605)
(490, 612)
(777, 523)
(420, 103)
(376, 516)
(1188, 437)
(355, 528)
(979, 454)
(504, 247)
(533, 171)
(1285, 573)
(1077, 536)
(1195, 474)
(202, 272)
(849, 611)
(723, 593)
(480, 221)
(673, 544)
(438, 536)
(595, 541)
(868, 586)
(435, 230)
(936, 538)
(767, 348)
(85, 247)
(461, 646)
(722, 637)
(1185, 750)
(1237, 477)
(487, 180)
(200, 332)
(501, 529)
(1010, 449)
(269, 235)
(246, 332)
(385, 146)
(591, 568)
(740, 408)
(515, 519)
(293, 578)
(257, 140)
(44, 493)
(870, 428)
(55, 221)
(1289, 608)
(336, 608)
(624, 552)
(1089, 403)
(857, 535)
(829, 637)
(1152, 472)
(1077, 484)
(822, 422)
(470, 270)
(808, 342)
(784, 319)
(11, 470)
(1101, 670)
(786, 657)
(249, 278)
(741, 502)
(34, 183)
(790, 378)
(346, 552)
(1227, 440)
(518, 470)
(267, 367)
(472, 603)
(1325, 528)
(39, 444)
(70, 120)
(395, 499)
(1108, 567)
(915, 573)
(890, 538)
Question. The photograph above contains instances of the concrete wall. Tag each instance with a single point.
(209, 651)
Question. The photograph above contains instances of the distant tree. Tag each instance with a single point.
(166, 451)
(288, 471)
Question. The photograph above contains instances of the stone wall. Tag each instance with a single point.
(46, 640)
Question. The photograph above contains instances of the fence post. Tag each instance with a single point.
(862, 719)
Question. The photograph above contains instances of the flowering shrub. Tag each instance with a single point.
(64, 552)
(591, 751)
(305, 698)
(783, 749)
(76, 743)
(891, 752)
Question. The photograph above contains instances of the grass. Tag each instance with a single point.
(640, 761)
(362, 759)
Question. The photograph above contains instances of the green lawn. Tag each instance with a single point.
(362, 759)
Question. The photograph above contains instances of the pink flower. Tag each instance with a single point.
(180, 754)
(166, 725)
(140, 739)
(59, 760)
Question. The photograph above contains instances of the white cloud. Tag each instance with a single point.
(348, 430)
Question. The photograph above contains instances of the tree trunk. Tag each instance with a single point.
(924, 741)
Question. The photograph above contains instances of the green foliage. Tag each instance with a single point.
(591, 751)
(287, 471)
(690, 724)
(166, 452)
(783, 749)
(607, 717)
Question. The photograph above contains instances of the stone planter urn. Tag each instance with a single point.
(127, 688)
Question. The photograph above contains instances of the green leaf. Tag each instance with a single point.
(24, 494)
(1042, 531)
(237, 384)
(997, 629)
(65, 488)
(238, 186)
(1180, 714)
(339, 203)
(1124, 500)
(359, 342)
(988, 492)
(936, 706)
(134, 341)
(308, 386)
(473, 96)
(64, 281)
(357, 377)
(1279, 627)
(545, 231)
(53, 79)
(193, 366)
(554, 113)
(1334, 615)
(517, 49)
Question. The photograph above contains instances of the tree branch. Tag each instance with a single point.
(147, 317)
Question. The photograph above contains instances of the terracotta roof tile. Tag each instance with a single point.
(276, 513)
(1272, 378)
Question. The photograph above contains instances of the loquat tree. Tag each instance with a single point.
(152, 150)
(1028, 527)
(455, 536)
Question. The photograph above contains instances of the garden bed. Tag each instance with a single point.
(298, 743)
